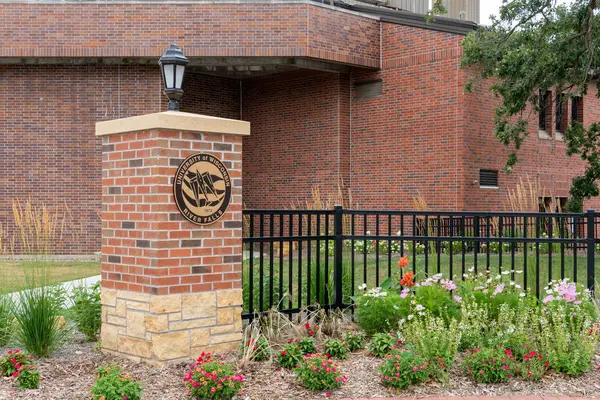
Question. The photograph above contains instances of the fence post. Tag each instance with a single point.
(337, 272)
(591, 244)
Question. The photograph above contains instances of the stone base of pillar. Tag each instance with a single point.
(158, 329)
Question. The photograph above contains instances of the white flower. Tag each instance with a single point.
(549, 291)
(498, 277)
(505, 272)
(362, 287)
(519, 272)
(402, 321)
(368, 232)
(471, 269)
(522, 294)
(512, 283)
(396, 307)
(518, 286)
(410, 317)
(399, 233)
(419, 307)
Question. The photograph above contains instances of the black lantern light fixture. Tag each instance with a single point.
(172, 65)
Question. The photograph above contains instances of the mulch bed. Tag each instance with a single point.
(70, 373)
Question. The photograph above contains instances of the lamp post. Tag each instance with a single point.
(172, 65)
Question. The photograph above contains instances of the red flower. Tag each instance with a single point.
(307, 326)
(403, 262)
(508, 352)
(407, 279)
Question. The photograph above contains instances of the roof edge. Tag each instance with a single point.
(441, 24)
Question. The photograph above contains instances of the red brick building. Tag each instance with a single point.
(367, 99)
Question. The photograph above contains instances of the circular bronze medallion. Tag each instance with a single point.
(202, 188)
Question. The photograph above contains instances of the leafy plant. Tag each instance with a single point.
(28, 378)
(317, 372)
(306, 345)
(209, 379)
(382, 344)
(336, 348)
(381, 311)
(87, 310)
(434, 341)
(355, 340)
(401, 369)
(11, 360)
(489, 365)
(112, 384)
(37, 312)
(533, 366)
(290, 356)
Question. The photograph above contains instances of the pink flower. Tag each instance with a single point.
(548, 299)
(457, 298)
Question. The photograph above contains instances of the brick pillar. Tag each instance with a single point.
(170, 288)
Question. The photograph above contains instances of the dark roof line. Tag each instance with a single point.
(442, 24)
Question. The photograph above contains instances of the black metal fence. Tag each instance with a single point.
(298, 258)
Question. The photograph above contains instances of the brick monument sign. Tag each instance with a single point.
(171, 288)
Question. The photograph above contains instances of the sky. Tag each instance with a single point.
(487, 7)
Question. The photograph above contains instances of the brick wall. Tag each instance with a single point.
(49, 152)
(143, 30)
(299, 126)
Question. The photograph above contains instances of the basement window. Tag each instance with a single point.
(488, 179)
(367, 90)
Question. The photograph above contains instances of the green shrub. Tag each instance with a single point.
(489, 364)
(290, 356)
(437, 300)
(381, 313)
(336, 348)
(565, 341)
(225, 385)
(307, 345)
(317, 372)
(401, 369)
(435, 342)
(38, 318)
(382, 344)
(261, 350)
(112, 384)
(355, 340)
(5, 320)
(87, 310)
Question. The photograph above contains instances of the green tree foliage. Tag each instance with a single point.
(538, 45)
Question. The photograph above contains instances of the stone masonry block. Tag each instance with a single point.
(136, 325)
(226, 337)
(200, 337)
(109, 336)
(136, 347)
(169, 346)
(157, 323)
(108, 297)
(165, 304)
(199, 305)
(229, 298)
(191, 324)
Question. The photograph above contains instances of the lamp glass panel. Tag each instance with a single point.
(179, 76)
(168, 75)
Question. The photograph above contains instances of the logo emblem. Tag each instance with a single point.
(202, 188)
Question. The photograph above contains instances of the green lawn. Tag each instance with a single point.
(374, 273)
(18, 275)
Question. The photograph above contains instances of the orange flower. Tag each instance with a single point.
(407, 279)
(403, 262)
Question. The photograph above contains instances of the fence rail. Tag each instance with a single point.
(298, 258)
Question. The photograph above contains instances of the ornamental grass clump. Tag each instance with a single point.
(382, 344)
(318, 372)
(113, 384)
(39, 325)
(402, 369)
(355, 340)
(5, 320)
(336, 348)
(209, 379)
(489, 365)
(290, 356)
(259, 348)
